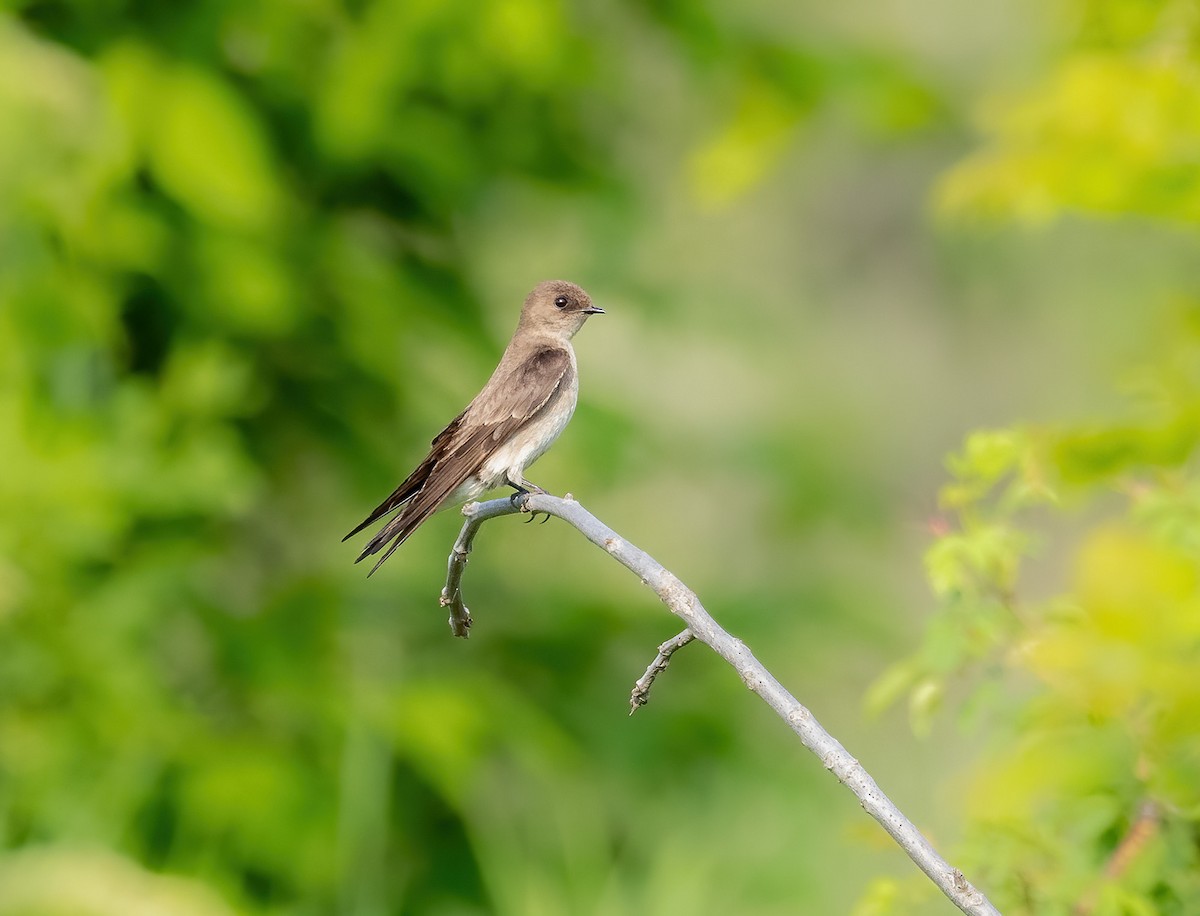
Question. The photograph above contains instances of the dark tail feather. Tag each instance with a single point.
(421, 494)
(399, 497)
(397, 531)
(425, 502)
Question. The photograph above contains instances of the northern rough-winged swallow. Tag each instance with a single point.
(521, 410)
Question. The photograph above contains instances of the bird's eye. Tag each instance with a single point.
(560, 302)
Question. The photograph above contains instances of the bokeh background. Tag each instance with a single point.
(253, 256)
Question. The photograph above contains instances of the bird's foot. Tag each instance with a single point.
(524, 489)
(520, 500)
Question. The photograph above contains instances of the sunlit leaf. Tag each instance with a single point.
(742, 154)
(210, 153)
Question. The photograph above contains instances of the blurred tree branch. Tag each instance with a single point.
(1146, 824)
(683, 603)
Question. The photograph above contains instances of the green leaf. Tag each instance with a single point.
(209, 152)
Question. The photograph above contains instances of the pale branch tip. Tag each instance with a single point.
(684, 604)
(640, 695)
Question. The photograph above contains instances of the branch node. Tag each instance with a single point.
(798, 716)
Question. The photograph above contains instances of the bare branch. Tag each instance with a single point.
(477, 514)
(640, 695)
(684, 604)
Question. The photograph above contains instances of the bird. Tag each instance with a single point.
(521, 411)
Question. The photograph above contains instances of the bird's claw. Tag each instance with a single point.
(535, 513)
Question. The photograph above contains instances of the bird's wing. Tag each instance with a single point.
(521, 396)
(459, 451)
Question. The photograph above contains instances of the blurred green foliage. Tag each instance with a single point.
(1111, 131)
(256, 254)
(1094, 688)
(1087, 799)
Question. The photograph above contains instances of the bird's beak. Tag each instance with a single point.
(593, 310)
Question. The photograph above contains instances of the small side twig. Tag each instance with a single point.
(477, 514)
(640, 695)
(684, 604)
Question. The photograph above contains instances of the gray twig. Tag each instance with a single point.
(477, 514)
(683, 603)
(640, 695)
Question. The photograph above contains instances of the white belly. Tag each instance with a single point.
(529, 444)
(512, 458)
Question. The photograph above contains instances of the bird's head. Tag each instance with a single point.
(558, 308)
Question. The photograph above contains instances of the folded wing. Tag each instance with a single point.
(500, 411)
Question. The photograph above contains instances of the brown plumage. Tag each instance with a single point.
(521, 410)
